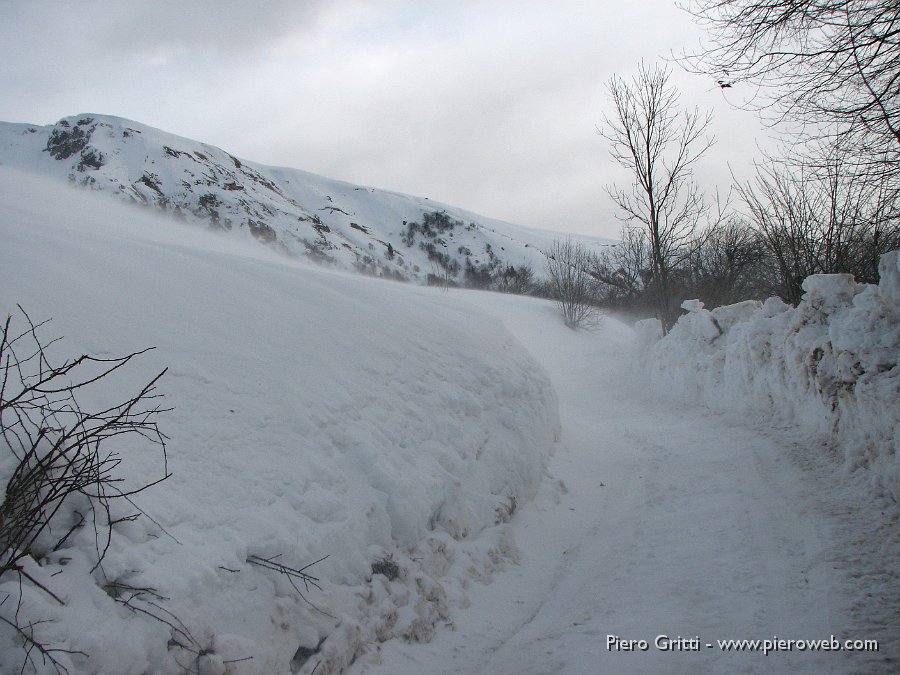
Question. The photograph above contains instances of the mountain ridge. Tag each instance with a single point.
(363, 229)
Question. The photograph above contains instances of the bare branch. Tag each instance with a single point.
(824, 71)
(659, 145)
(61, 452)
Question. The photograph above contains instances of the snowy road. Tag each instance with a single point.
(672, 523)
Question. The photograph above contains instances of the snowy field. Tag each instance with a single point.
(527, 497)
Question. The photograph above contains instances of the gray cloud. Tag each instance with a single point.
(226, 27)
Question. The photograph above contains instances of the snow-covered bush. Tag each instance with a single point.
(828, 366)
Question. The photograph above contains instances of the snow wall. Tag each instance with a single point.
(828, 366)
(313, 414)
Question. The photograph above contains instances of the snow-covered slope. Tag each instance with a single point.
(315, 413)
(352, 227)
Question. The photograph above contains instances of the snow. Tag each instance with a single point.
(672, 520)
(314, 414)
(293, 211)
(540, 490)
(828, 366)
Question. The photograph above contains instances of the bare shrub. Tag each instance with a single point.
(821, 221)
(61, 455)
(569, 266)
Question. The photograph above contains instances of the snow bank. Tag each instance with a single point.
(828, 366)
(315, 414)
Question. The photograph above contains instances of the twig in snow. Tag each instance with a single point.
(291, 574)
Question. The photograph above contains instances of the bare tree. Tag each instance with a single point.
(725, 264)
(516, 280)
(828, 68)
(624, 270)
(659, 145)
(569, 266)
(816, 222)
(728, 265)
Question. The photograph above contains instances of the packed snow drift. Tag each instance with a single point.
(313, 414)
(828, 366)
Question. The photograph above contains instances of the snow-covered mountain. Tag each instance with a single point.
(373, 231)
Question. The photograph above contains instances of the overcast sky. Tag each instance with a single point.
(492, 106)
